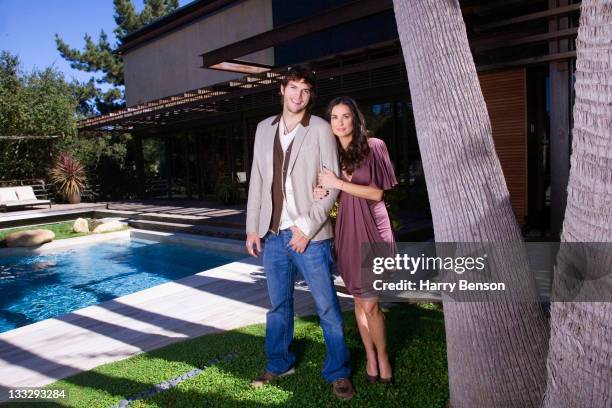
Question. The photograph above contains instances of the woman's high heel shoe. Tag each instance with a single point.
(371, 378)
(386, 381)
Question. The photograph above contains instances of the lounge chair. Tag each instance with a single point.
(15, 197)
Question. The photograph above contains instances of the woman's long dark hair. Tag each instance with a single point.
(358, 148)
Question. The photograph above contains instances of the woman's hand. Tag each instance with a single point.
(327, 179)
(299, 241)
(320, 193)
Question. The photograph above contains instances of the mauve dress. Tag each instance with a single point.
(363, 221)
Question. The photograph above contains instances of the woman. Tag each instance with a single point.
(362, 218)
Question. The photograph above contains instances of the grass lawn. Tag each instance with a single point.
(62, 230)
(417, 347)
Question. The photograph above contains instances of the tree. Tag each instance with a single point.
(496, 351)
(99, 57)
(43, 103)
(39, 103)
(580, 355)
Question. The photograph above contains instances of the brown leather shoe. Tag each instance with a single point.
(268, 377)
(343, 389)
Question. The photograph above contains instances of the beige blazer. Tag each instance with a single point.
(314, 147)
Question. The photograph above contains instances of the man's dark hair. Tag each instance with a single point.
(299, 73)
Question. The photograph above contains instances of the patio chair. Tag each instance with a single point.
(16, 197)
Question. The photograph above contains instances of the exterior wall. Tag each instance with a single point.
(171, 64)
(505, 93)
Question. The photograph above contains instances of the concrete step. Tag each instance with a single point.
(230, 221)
(208, 230)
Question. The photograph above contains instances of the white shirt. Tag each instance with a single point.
(285, 139)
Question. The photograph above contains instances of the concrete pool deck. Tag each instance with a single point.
(31, 216)
(224, 298)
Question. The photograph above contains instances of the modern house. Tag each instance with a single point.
(199, 80)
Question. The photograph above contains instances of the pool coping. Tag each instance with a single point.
(64, 243)
(198, 241)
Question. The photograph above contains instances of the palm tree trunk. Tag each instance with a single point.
(496, 351)
(580, 358)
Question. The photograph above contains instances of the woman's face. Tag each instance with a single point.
(342, 121)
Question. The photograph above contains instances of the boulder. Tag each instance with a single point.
(108, 226)
(93, 223)
(29, 238)
(80, 225)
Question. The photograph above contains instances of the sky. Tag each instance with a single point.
(28, 27)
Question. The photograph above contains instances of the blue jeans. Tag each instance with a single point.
(280, 265)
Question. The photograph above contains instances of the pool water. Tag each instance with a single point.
(41, 286)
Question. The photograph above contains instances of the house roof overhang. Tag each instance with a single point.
(333, 17)
(382, 65)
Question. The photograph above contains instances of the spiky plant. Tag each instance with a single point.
(68, 175)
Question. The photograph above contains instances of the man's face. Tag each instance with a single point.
(296, 96)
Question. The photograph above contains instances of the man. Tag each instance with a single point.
(290, 150)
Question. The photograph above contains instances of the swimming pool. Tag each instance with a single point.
(40, 286)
